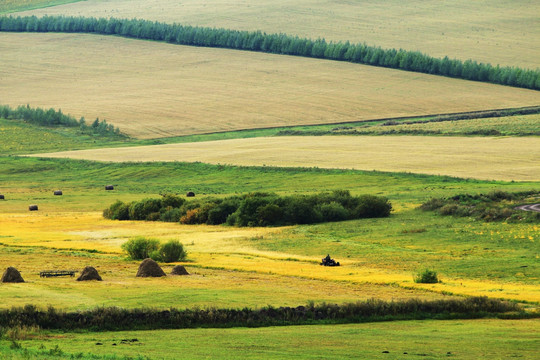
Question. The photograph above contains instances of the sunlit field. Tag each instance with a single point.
(484, 158)
(199, 90)
(504, 32)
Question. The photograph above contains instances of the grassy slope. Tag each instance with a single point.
(462, 339)
(10, 6)
(198, 90)
(18, 137)
(499, 33)
(381, 250)
(481, 158)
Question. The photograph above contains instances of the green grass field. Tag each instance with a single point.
(463, 339)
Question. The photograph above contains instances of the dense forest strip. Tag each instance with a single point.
(279, 44)
(368, 311)
(52, 117)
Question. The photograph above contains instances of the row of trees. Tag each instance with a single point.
(279, 44)
(254, 209)
(52, 117)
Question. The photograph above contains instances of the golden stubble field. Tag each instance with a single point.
(153, 90)
(488, 158)
(498, 32)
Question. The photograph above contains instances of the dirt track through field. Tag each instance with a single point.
(485, 158)
(531, 207)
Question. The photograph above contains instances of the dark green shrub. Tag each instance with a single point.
(426, 277)
(141, 209)
(171, 200)
(172, 251)
(220, 213)
(269, 214)
(334, 212)
(170, 215)
(301, 210)
(432, 204)
(117, 211)
(140, 247)
(371, 206)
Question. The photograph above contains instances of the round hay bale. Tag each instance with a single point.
(2, 197)
(33, 207)
(109, 187)
(179, 270)
(12, 275)
(150, 268)
(58, 192)
(190, 194)
(89, 273)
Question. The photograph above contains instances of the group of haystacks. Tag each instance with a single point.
(148, 268)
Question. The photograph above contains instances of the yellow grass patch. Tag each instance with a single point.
(502, 32)
(470, 157)
(210, 248)
(152, 90)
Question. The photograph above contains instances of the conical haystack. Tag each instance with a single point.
(89, 273)
(179, 270)
(150, 268)
(12, 275)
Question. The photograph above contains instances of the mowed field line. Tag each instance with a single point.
(469, 157)
(503, 32)
(153, 90)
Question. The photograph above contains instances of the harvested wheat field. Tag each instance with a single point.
(199, 90)
(503, 32)
(487, 158)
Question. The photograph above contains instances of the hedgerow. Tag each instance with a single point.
(254, 209)
(146, 319)
(278, 44)
(494, 206)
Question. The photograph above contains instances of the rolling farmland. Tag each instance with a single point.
(224, 126)
(200, 90)
(480, 158)
(502, 32)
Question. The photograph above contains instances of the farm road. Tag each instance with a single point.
(531, 207)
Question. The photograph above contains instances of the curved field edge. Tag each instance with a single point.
(11, 6)
(487, 158)
(200, 90)
(21, 137)
(280, 44)
(498, 33)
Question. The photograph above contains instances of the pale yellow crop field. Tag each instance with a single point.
(489, 158)
(153, 90)
(503, 32)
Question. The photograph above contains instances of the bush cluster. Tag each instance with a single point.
(101, 319)
(494, 206)
(278, 44)
(141, 248)
(53, 117)
(426, 277)
(254, 209)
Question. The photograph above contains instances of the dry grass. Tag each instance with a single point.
(502, 32)
(197, 90)
(481, 158)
